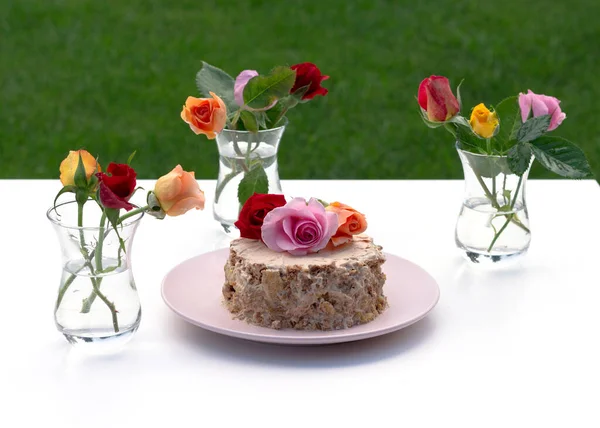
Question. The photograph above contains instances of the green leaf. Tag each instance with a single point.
(66, 189)
(130, 158)
(465, 136)
(509, 115)
(263, 91)
(254, 181)
(80, 177)
(561, 157)
(213, 79)
(488, 166)
(112, 215)
(533, 128)
(519, 158)
(249, 120)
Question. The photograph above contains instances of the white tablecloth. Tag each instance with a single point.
(519, 347)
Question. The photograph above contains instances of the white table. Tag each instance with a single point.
(514, 348)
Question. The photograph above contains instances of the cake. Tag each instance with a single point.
(334, 288)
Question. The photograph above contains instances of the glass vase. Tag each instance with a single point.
(493, 224)
(249, 158)
(97, 307)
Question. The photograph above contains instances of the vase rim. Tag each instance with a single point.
(55, 218)
(481, 155)
(284, 122)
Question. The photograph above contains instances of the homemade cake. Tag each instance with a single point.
(332, 289)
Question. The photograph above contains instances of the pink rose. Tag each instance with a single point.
(541, 105)
(240, 83)
(299, 228)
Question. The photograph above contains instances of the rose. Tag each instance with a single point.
(436, 98)
(299, 228)
(483, 121)
(350, 222)
(253, 213)
(178, 192)
(240, 83)
(205, 115)
(541, 105)
(308, 74)
(115, 189)
(68, 166)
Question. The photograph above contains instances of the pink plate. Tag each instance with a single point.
(192, 290)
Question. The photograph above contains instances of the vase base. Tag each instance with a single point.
(491, 260)
(98, 342)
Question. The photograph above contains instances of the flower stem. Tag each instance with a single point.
(508, 220)
(283, 112)
(88, 301)
(511, 217)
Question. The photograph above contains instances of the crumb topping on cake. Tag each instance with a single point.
(332, 289)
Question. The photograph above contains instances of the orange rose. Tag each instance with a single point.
(205, 115)
(69, 165)
(178, 192)
(350, 222)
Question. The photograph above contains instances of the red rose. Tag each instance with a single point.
(308, 74)
(115, 189)
(437, 99)
(254, 211)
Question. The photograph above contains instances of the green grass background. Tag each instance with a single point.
(111, 76)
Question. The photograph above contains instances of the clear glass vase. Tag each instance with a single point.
(244, 155)
(493, 224)
(97, 307)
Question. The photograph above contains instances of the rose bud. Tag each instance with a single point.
(68, 166)
(483, 121)
(436, 98)
(178, 192)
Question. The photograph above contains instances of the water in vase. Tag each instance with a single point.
(85, 318)
(489, 235)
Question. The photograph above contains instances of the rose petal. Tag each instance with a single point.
(557, 118)
(110, 200)
(525, 105)
(184, 205)
(240, 83)
(538, 106)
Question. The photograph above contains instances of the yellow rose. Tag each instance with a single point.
(483, 121)
(69, 165)
(178, 192)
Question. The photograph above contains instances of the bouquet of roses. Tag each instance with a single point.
(516, 127)
(251, 102)
(508, 136)
(297, 226)
(111, 191)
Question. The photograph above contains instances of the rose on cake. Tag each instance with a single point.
(298, 227)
